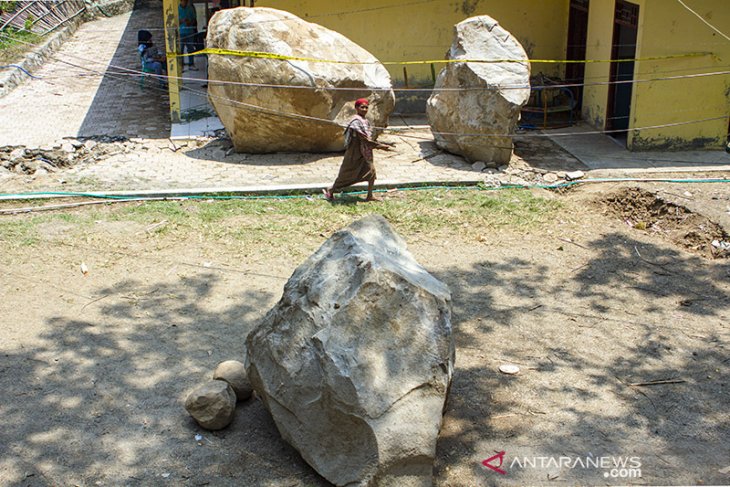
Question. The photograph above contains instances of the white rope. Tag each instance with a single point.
(703, 20)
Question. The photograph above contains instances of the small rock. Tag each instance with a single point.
(90, 144)
(518, 181)
(550, 177)
(68, 148)
(212, 404)
(234, 372)
(478, 166)
(509, 369)
(502, 168)
(18, 153)
(492, 181)
(492, 164)
(46, 166)
(76, 144)
(573, 175)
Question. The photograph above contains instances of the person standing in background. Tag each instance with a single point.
(188, 30)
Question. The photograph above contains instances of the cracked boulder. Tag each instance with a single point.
(475, 106)
(296, 105)
(355, 361)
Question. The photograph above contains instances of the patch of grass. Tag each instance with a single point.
(19, 233)
(175, 211)
(286, 222)
(14, 44)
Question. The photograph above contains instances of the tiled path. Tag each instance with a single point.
(84, 90)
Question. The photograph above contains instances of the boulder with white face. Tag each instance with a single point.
(475, 106)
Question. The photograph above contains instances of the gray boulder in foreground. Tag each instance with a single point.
(470, 98)
(281, 105)
(355, 361)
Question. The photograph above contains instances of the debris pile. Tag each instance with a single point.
(645, 211)
(68, 153)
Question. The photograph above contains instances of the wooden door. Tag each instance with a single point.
(576, 49)
(625, 30)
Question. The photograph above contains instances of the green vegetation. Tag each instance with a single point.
(7, 6)
(286, 222)
(15, 43)
(19, 232)
(193, 114)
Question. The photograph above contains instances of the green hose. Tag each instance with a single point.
(42, 194)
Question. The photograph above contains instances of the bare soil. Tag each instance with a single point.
(615, 311)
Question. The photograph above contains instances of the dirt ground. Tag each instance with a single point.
(621, 289)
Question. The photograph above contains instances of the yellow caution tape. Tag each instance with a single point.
(269, 55)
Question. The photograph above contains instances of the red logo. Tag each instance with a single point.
(488, 463)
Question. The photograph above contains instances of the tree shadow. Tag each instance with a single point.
(220, 149)
(102, 399)
(101, 395)
(655, 272)
(591, 346)
(542, 153)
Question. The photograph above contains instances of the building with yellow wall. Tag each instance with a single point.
(403, 30)
(674, 88)
(662, 103)
(651, 72)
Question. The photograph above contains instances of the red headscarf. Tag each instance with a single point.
(362, 101)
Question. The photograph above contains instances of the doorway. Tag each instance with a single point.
(576, 49)
(625, 30)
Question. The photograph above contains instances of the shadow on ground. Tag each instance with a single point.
(101, 399)
(583, 345)
(125, 105)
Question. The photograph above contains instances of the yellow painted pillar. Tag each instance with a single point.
(174, 63)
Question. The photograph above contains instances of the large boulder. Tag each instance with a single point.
(308, 112)
(355, 361)
(473, 98)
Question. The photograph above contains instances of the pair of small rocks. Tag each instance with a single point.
(213, 404)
